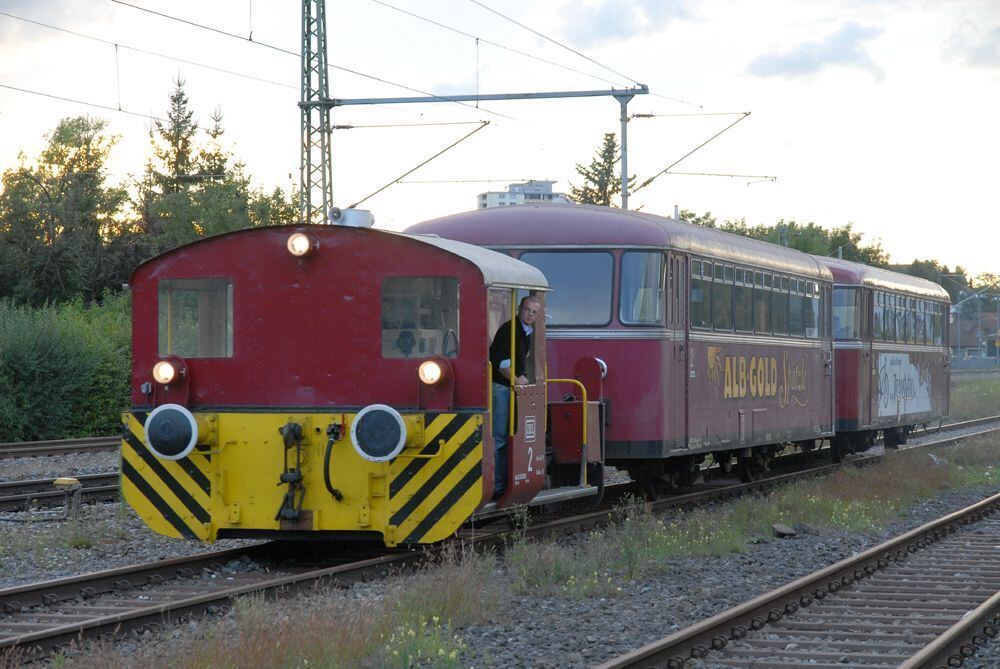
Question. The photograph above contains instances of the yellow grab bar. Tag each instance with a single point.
(583, 446)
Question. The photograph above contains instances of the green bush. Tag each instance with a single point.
(64, 369)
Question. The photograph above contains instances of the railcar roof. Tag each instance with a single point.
(850, 272)
(498, 269)
(532, 225)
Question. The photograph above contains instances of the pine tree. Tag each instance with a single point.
(601, 180)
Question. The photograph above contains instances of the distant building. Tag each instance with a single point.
(527, 193)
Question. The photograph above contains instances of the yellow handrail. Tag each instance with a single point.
(583, 446)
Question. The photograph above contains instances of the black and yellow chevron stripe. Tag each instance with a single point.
(433, 494)
(171, 496)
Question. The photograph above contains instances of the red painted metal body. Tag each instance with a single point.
(667, 387)
(307, 332)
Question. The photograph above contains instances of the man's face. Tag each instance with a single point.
(529, 310)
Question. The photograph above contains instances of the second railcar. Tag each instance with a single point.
(892, 360)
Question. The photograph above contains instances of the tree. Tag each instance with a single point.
(601, 179)
(810, 238)
(57, 217)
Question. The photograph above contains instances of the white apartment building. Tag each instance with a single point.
(524, 193)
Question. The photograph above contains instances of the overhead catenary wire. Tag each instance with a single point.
(553, 41)
(414, 169)
(297, 55)
(82, 102)
(349, 126)
(147, 52)
(668, 167)
(493, 44)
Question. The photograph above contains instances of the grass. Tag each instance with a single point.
(855, 500)
(975, 396)
(412, 624)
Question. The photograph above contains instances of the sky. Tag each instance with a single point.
(879, 113)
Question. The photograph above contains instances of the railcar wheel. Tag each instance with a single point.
(752, 468)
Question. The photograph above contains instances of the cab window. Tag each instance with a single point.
(419, 316)
(196, 318)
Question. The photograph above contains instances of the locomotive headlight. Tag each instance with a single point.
(300, 244)
(430, 372)
(164, 372)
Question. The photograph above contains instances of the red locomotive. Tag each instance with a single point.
(333, 381)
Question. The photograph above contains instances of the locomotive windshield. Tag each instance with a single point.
(196, 318)
(419, 316)
(581, 283)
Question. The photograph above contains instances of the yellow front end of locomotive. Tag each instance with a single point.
(251, 474)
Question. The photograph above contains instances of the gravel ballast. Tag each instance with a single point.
(526, 630)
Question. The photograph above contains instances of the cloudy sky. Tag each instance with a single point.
(883, 113)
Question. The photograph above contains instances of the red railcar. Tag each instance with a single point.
(891, 351)
(714, 344)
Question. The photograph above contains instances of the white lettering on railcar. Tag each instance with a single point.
(902, 386)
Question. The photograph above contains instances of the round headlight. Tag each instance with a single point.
(430, 372)
(164, 372)
(378, 433)
(171, 431)
(299, 244)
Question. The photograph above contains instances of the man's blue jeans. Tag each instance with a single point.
(501, 421)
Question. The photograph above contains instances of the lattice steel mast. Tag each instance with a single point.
(316, 167)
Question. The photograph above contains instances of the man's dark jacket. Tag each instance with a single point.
(500, 351)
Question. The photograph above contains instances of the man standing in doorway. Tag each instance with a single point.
(507, 367)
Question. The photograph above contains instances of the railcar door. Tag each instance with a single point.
(677, 371)
(865, 365)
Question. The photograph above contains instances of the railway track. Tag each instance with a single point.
(29, 449)
(925, 599)
(36, 618)
(21, 495)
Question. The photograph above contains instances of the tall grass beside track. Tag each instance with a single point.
(975, 396)
(415, 623)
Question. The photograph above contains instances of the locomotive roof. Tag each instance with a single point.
(575, 225)
(498, 269)
(849, 272)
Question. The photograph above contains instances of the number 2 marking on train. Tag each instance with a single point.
(531, 456)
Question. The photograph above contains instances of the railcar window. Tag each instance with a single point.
(845, 313)
(762, 303)
(581, 286)
(419, 316)
(779, 305)
(796, 307)
(722, 298)
(641, 300)
(889, 325)
(196, 318)
(701, 294)
(939, 322)
(877, 333)
(900, 319)
(811, 309)
(743, 299)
